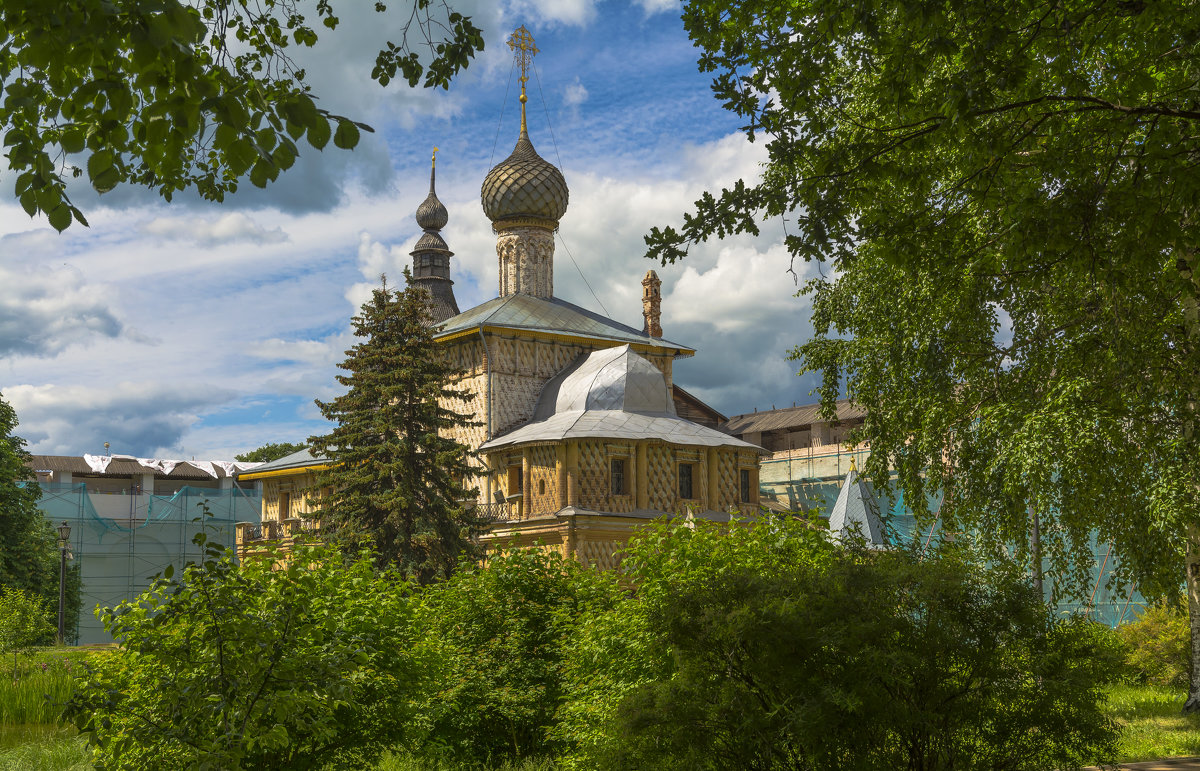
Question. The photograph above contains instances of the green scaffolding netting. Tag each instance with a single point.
(1108, 604)
(120, 541)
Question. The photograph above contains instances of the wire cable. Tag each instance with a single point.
(561, 240)
(500, 122)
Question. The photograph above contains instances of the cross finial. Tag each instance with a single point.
(521, 43)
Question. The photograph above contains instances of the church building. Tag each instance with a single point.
(577, 429)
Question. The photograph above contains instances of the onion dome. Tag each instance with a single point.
(431, 214)
(524, 188)
(431, 256)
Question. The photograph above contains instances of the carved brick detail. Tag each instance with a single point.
(526, 261)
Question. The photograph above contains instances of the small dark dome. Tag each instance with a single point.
(431, 214)
(524, 185)
(429, 241)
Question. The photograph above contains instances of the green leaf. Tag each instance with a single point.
(318, 133)
(346, 136)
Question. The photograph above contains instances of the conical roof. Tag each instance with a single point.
(524, 186)
(857, 511)
(431, 214)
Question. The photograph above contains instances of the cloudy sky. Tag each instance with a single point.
(196, 329)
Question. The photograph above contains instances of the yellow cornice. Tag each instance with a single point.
(283, 472)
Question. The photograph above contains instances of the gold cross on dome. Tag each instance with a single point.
(521, 42)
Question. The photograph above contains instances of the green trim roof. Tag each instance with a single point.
(553, 316)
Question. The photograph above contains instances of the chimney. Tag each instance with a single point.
(652, 304)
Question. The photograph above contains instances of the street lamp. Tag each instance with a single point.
(64, 540)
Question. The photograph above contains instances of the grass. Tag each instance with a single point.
(1153, 727)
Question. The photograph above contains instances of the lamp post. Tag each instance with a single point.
(64, 540)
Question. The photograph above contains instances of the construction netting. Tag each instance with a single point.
(121, 541)
(1105, 602)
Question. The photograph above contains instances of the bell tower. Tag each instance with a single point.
(525, 196)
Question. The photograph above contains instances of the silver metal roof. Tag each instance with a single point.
(610, 379)
(857, 510)
(611, 394)
(298, 459)
(525, 312)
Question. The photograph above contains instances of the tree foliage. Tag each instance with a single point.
(393, 474)
(173, 95)
(284, 662)
(1157, 646)
(771, 648)
(500, 633)
(28, 559)
(1006, 197)
(24, 622)
(269, 452)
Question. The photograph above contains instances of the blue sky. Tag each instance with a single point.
(199, 329)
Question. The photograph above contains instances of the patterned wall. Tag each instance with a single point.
(660, 468)
(294, 486)
(542, 495)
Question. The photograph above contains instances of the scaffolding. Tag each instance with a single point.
(121, 541)
(1106, 604)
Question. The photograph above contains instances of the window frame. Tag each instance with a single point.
(691, 479)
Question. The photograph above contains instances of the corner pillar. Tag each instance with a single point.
(714, 479)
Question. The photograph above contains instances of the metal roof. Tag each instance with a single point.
(611, 394)
(857, 510)
(552, 316)
(790, 417)
(298, 459)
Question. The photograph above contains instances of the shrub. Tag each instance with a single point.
(766, 647)
(283, 662)
(498, 635)
(1158, 645)
(24, 622)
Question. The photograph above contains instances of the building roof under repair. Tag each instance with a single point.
(129, 465)
(615, 394)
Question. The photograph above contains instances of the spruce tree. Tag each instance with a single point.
(393, 476)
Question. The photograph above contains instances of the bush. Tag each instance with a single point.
(766, 647)
(283, 662)
(1158, 645)
(24, 622)
(498, 634)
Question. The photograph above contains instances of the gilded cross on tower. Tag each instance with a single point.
(521, 42)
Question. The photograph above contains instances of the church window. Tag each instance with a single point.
(685, 480)
(616, 473)
(744, 485)
(514, 480)
(285, 505)
(541, 487)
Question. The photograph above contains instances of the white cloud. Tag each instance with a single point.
(744, 290)
(43, 309)
(651, 7)
(313, 352)
(575, 13)
(231, 228)
(146, 419)
(575, 93)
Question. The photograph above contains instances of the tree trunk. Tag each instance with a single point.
(1191, 321)
(1193, 589)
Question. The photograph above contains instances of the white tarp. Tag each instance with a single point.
(204, 465)
(97, 463)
